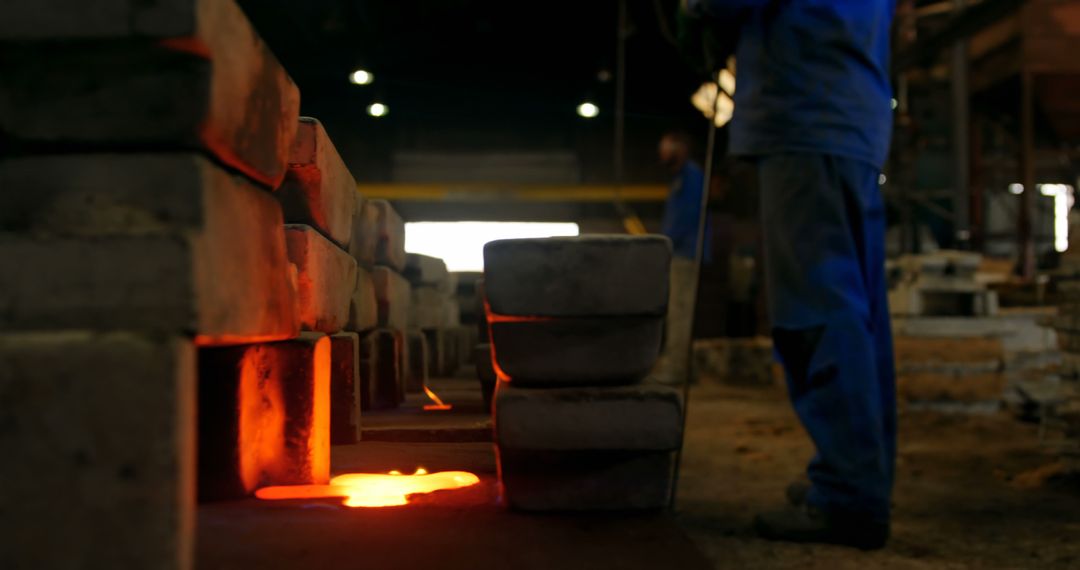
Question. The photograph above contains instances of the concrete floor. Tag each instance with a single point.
(972, 492)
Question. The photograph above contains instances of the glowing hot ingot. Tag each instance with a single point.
(373, 489)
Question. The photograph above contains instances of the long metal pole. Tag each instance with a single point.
(699, 256)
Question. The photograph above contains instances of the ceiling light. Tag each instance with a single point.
(361, 77)
(588, 110)
(377, 110)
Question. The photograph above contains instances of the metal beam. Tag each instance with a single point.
(486, 192)
(961, 125)
(959, 27)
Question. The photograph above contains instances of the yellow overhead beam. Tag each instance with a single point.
(457, 192)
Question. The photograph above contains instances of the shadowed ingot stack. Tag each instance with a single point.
(121, 263)
(384, 351)
(576, 325)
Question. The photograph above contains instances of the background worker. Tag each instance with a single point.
(812, 110)
(680, 223)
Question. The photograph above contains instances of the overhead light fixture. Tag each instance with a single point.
(377, 110)
(588, 110)
(361, 77)
(1016, 188)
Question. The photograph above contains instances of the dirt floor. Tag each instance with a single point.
(972, 492)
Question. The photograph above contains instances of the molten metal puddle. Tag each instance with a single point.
(373, 489)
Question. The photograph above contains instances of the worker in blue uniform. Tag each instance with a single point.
(812, 110)
(680, 223)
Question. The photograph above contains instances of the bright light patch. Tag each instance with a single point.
(881, 179)
(373, 489)
(894, 103)
(588, 110)
(1063, 202)
(1016, 188)
(377, 110)
(361, 77)
(461, 244)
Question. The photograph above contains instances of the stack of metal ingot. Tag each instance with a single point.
(185, 259)
(434, 310)
(576, 325)
(379, 245)
(940, 284)
(140, 237)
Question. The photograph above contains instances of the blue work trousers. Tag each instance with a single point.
(824, 230)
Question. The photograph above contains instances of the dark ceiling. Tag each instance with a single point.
(481, 74)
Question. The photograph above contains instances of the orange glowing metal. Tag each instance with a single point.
(373, 489)
(439, 404)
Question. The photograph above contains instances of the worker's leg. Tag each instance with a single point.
(673, 366)
(824, 234)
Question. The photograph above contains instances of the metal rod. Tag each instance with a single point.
(699, 256)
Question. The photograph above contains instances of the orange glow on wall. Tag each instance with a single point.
(262, 416)
(373, 489)
(439, 404)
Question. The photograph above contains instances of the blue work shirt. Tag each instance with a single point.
(682, 210)
(812, 76)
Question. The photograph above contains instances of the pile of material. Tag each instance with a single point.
(939, 284)
(576, 325)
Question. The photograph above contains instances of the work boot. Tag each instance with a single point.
(808, 524)
(796, 492)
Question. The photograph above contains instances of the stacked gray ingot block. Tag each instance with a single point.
(100, 442)
(335, 289)
(393, 297)
(165, 241)
(575, 328)
(318, 191)
(129, 260)
(584, 310)
(432, 302)
(171, 74)
(588, 448)
(389, 235)
(326, 279)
